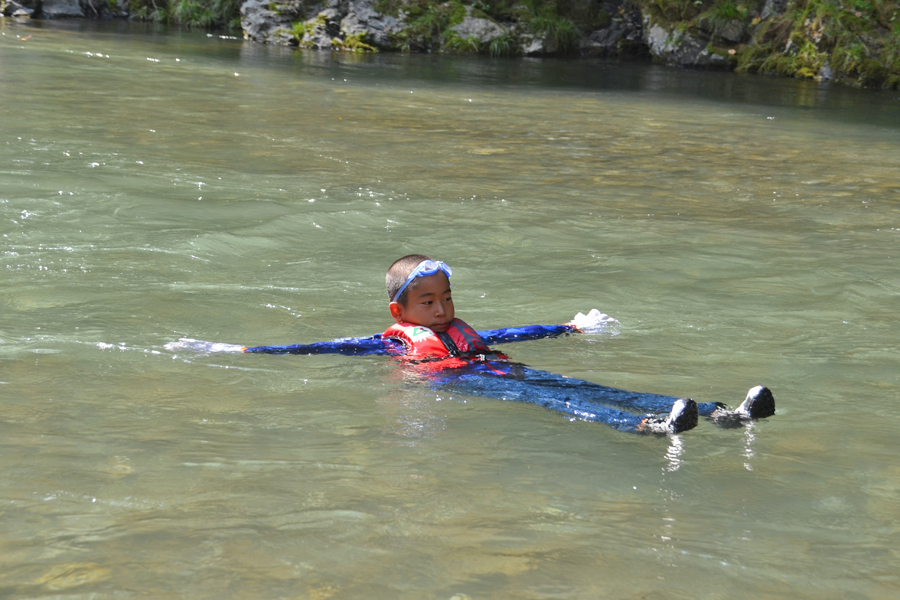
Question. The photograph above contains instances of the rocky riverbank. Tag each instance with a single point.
(855, 41)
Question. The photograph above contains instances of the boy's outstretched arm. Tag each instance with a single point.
(593, 322)
(373, 344)
(527, 332)
(376, 345)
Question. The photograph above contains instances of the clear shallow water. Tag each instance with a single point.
(742, 230)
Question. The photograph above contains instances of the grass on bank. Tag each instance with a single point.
(205, 14)
(554, 21)
(856, 40)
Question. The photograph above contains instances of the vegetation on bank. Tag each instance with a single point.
(857, 41)
(558, 23)
(206, 14)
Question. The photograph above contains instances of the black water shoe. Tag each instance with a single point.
(758, 404)
(682, 417)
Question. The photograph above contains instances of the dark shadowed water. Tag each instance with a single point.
(168, 184)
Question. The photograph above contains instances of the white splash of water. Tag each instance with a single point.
(201, 347)
(595, 322)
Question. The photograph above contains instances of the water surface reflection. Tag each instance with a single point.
(743, 230)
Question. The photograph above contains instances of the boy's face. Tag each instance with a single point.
(428, 303)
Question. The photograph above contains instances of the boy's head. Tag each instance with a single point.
(419, 292)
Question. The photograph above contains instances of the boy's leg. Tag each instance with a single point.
(582, 399)
(593, 392)
(758, 404)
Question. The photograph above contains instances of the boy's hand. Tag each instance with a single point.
(593, 322)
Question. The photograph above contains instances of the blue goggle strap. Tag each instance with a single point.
(423, 269)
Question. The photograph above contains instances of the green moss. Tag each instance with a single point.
(299, 29)
(357, 43)
(457, 13)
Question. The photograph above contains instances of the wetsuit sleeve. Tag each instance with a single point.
(528, 332)
(374, 344)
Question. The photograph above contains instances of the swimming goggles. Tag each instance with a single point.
(423, 269)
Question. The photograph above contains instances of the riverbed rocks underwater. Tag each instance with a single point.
(854, 41)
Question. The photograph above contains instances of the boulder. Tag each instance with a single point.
(673, 47)
(732, 31)
(483, 30)
(623, 37)
(537, 45)
(259, 22)
(48, 9)
(323, 30)
(271, 21)
(603, 42)
(317, 36)
(325, 25)
(532, 45)
(365, 22)
(12, 8)
(61, 9)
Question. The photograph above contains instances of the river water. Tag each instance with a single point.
(160, 185)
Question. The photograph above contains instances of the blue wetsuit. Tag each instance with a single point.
(506, 380)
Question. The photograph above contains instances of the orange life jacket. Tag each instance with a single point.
(459, 340)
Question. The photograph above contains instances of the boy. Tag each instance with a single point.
(459, 358)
